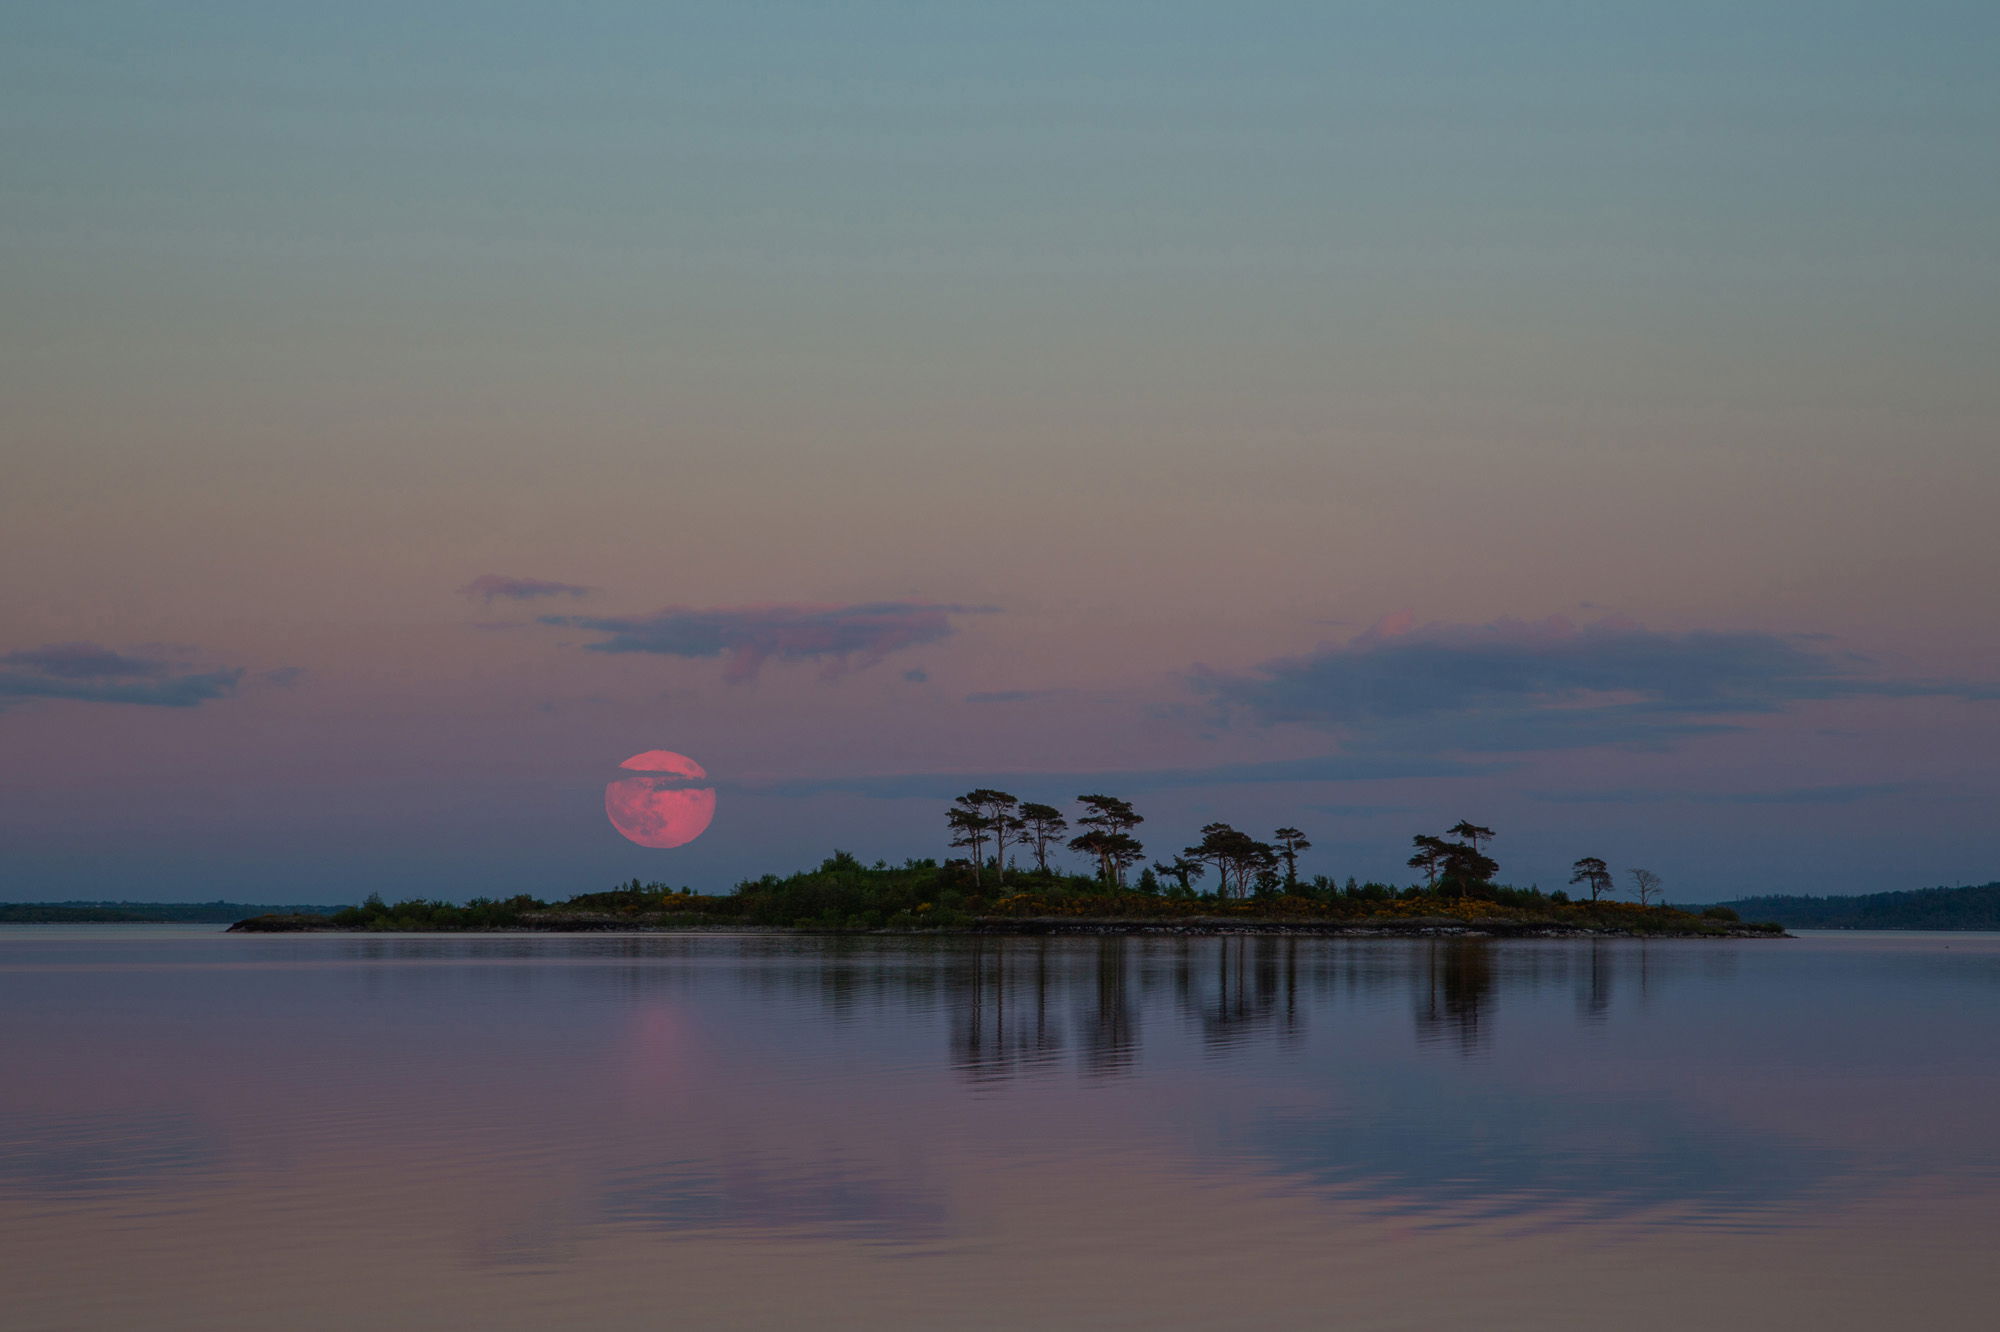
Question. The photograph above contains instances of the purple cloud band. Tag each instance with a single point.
(838, 637)
(1515, 685)
(89, 673)
(84, 661)
(488, 586)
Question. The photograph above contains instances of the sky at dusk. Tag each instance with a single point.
(1577, 418)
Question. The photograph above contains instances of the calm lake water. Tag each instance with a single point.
(210, 1131)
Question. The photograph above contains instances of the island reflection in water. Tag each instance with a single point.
(1158, 1129)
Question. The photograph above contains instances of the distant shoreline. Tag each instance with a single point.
(146, 913)
(1421, 927)
(1973, 907)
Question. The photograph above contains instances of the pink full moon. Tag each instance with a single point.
(657, 805)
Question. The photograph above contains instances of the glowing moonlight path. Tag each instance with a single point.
(658, 806)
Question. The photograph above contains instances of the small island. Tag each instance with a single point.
(1257, 888)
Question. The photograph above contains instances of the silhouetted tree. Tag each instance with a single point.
(1041, 827)
(997, 809)
(1125, 852)
(1237, 856)
(1117, 850)
(1290, 842)
(1214, 849)
(1593, 874)
(1645, 885)
(1095, 842)
(1429, 856)
(1109, 813)
(1262, 867)
(1183, 870)
(1472, 833)
(970, 830)
(1464, 868)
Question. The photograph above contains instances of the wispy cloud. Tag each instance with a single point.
(1018, 695)
(1516, 686)
(839, 638)
(90, 673)
(1791, 795)
(488, 586)
(84, 661)
(1362, 811)
(1060, 784)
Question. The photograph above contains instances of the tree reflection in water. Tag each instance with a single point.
(1457, 992)
(1111, 1038)
(1254, 989)
(1019, 1005)
(1001, 999)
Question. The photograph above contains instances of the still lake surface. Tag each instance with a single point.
(405, 1131)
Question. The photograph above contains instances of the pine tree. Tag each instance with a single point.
(1593, 874)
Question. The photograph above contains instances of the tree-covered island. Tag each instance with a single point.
(1007, 881)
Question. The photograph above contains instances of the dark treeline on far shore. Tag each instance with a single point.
(138, 913)
(1973, 908)
(1008, 879)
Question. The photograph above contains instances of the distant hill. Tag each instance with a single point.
(140, 913)
(1921, 909)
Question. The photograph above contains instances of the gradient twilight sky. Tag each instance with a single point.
(1580, 418)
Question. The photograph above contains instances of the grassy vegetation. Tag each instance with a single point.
(844, 894)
